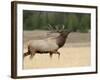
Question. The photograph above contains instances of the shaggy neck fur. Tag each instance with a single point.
(61, 39)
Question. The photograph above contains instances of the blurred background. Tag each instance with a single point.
(40, 19)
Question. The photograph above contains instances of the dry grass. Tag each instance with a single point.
(76, 51)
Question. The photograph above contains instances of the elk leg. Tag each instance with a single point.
(51, 54)
(58, 54)
(32, 52)
(26, 54)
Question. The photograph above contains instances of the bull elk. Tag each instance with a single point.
(49, 45)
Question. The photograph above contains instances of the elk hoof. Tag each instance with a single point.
(58, 54)
(51, 55)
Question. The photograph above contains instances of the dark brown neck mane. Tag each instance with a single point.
(61, 39)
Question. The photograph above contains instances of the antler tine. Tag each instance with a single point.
(50, 27)
(63, 26)
(56, 27)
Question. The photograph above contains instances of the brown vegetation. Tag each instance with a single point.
(76, 51)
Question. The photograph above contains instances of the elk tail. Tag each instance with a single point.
(27, 53)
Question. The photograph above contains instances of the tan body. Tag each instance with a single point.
(49, 45)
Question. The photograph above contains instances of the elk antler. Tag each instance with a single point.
(60, 29)
(50, 27)
(57, 28)
(63, 26)
(53, 28)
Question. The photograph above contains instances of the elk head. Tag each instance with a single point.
(63, 34)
